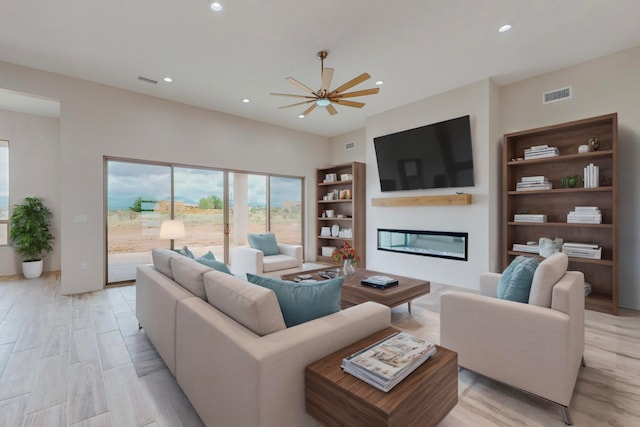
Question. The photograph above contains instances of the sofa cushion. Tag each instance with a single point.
(546, 276)
(190, 275)
(209, 260)
(254, 307)
(161, 260)
(278, 262)
(301, 302)
(265, 242)
(515, 282)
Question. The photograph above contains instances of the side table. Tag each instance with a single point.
(423, 399)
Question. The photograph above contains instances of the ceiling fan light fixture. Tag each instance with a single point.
(322, 102)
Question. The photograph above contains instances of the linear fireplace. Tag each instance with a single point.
(440, 244)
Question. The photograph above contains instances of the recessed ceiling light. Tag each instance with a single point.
(301, 116)
(505, 27)
(246, 100)
(215, 6)
(379, 83)
(168, 79)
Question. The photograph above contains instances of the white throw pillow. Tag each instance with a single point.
(545, 277)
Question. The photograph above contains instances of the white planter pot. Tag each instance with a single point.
(31, 269)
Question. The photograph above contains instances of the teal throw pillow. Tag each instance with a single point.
(301, 302)
(265, 242)
(515, 282)
(210, 261)
(185, 251)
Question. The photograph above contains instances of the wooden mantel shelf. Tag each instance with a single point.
(445, 199)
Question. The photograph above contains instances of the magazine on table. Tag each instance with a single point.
(387, 362)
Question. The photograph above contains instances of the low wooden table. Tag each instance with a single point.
(354, 293)
(335, 398)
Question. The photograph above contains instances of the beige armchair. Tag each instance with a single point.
(535, 347)
(245, 259)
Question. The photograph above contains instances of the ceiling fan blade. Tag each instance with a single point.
(348, 103)
(351, 83)
(300, 85)
(331, 109)
(293, 96)
(327, 75)
(364, 92)
(308, 110)
(297, 103)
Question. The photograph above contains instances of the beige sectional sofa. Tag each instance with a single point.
(225, 341)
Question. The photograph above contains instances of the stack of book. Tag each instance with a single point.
(585, 215)
(387, 362)
(529, 218)
(582, 250)
(591, 176)
(532, 248)
(540, 151)
(529, 183)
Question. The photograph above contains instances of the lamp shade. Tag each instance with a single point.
(172, 229)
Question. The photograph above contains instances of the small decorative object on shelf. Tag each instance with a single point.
(346, 254)
(594, 144)
(572, 181)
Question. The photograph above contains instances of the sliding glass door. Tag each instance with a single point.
(138, 199)
(198, 201)
(218, 208)
(285, 209)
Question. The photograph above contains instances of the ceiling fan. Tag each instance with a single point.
(324, 97)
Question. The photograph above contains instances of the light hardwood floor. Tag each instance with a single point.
(81, 361)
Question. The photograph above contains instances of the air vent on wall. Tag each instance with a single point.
(350, 145)
(147, 80)
(556, 95)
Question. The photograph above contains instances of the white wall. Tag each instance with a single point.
(97, 121)
(477, 100)
(33, 171)
(339, 155)
(605, 85)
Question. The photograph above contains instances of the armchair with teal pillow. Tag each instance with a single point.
(536, 347)
(265, 255)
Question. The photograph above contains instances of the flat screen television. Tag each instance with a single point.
(438, 155)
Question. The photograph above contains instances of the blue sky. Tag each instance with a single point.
(127, 181)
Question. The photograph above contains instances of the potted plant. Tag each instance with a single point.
(29, 232)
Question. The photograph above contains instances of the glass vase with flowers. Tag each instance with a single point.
(346, 255)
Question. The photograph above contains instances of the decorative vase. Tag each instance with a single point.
(32, 269)
(348, 268)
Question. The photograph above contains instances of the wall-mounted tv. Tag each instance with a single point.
(438, 155)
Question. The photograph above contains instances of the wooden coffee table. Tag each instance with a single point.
(354, 293)
(335, 398)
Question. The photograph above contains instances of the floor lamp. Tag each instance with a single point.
(172, 229)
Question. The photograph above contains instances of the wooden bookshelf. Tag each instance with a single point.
(353, 209)
(556, 203)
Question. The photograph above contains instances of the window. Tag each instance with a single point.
(4, 193)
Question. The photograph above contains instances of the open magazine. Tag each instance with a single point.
(387, 362)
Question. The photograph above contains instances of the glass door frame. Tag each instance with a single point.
(226, 214)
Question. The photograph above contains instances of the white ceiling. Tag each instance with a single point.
(418, 47)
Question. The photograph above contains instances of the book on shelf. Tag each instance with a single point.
(591, 176)
(387, 362)
(585, 215)
(528, 248)
(582, 250)
(540, 151)
(520, 186)
(530, 218)
(537, 179)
